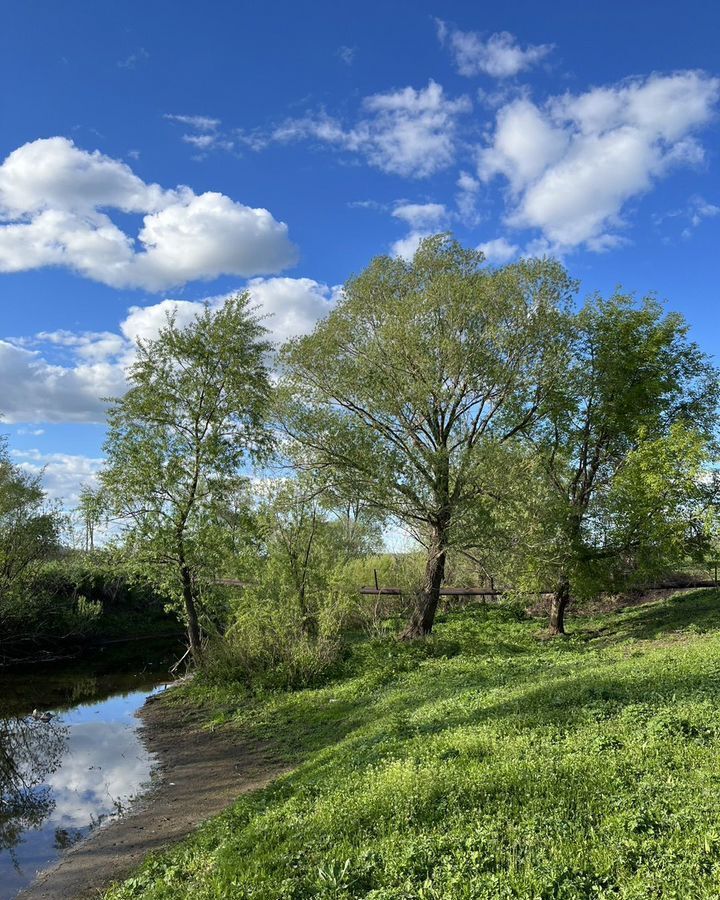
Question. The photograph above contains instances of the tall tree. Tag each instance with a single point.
(408, 389)
(625, 429)
(177, 441)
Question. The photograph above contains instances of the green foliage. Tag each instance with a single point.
(177, 442)
(29, 532)
(81, 595)
(267, 649)
(285, 625)
(617, 461)
(481, 764)
(408, 389)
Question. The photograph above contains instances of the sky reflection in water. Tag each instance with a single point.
(60, 779)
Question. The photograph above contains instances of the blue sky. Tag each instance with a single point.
(171, 151)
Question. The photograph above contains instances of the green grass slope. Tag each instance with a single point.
(486, 763)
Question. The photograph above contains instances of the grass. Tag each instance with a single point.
(484, 763)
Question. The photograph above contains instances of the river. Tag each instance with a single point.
(61, 778)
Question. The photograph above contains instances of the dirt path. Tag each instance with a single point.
(199, 774)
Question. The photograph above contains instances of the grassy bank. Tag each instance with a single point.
(484, 763)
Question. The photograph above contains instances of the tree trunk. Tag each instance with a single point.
(193, 627)
(422, 620)
(559, 603)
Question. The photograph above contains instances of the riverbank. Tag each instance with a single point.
(484, 762)
(198, 773)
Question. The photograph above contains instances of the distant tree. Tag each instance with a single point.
(177, 442)
(90, 510)
(406, 392)
(622, 449)
(29, 527)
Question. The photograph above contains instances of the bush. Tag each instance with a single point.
(76, 596)
(271, 650)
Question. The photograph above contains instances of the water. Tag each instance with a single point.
(61, 779)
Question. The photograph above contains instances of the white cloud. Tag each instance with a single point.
(418, 215)
(424, 219)
(500, 56)
(406, 246)
(199, 123)
(34, 390)
(53, 202)
(572, 164)
(63, 474)
(287, 306)
(87, 345)
(499, 250)
(700, 209)
(94, 363)
(292, 305)
(466, 199)
(407, 132)
(205, 134)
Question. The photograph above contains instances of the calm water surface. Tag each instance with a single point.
(60, 779)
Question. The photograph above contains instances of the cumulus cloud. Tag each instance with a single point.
(409, 132)
(424, 220)
(292, 306)
(34, 390)
(54, 199)
(418, 215)
(499, 56)
(499, 250)
(405, 247)
(63, 474)
(573, 163)
(287, 307)
(91, 366)
(466, 199)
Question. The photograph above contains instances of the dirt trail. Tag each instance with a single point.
(199, 773)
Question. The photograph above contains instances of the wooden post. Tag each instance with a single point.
(377, 587)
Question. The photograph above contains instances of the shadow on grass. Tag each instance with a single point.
(544, 684)
(697, 610)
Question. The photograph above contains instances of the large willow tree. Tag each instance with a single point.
(408, 391)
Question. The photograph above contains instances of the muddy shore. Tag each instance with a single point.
(198, 774)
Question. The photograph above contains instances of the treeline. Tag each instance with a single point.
(51, 595)
(511, 431)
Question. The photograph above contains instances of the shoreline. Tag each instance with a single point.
(197, 774)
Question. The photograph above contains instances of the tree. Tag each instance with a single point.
(194, 415)
(29, 528)
(408, 390)
(623, 435)
(90, 509)
(307, 531)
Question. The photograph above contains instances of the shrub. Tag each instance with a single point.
(268, 646)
